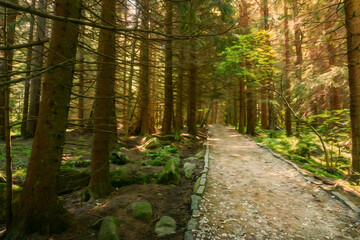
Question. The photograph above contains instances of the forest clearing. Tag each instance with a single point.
(179, 119)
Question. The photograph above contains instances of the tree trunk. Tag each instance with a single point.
(251, 110)
(144, 73)
(104, 105)
(35, 87)
(192, 90)
(242, 107)
(39, 208)
(352, 22)
(27, 83)
(179, 95)
(168, 111)
(297, 42)
(9, 38)
(286, 72)
(81, 88)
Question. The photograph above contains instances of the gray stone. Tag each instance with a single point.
(195, 201)
(196, 185)
(170, 173)
(196, 213)
(192, 224)
(188, 236)
(206, 165)
(200, 191)
(165, 226)
(142, 211)
(152, 143)
(189, 168)
(347, 202)
(108, 229)
(203, 180)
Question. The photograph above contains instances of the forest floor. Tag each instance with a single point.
(250, 194)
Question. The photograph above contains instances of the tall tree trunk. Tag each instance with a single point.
(81, 88)
(264, 98)
(104, 105)
(192, 90)
(35, 87)
(297, 41)
(242, 107)
(144, 72)
(251, 110)
(286, 72)
(169, 109)
(179, 94)
(28, 68)
(352, 22)
(235, 116)
(9, 38)
(39, 208)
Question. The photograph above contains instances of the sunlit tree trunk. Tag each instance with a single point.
(35, 87)
(104, 105)
(179, 94)
(192, 90)
(40, 210)
(242, 107)
(286, 72)
(168, 110)
(251, 110)
(81, 88)
(352, 22)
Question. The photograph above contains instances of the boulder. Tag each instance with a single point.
(109, 229)
(70, 179)
(123, 176)
(195, 202)
(189, 168)
(170, 174)
(165, 226)
(152, 143)
(142, 211)
(118, 158)
(16, 196)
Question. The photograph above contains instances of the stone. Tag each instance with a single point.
(109, 229)
(142, 211)
(203, 179)
(165, 226)
(196, 213)
(189, 168)
(195, 202)
(196, 185)
(70, 179)
(118, 158)
(200, 191)
(188, 236)
(2, 177)
(16, 196)
(191, 224)
(123, 176)
(152, 143)
(189, 159)
(170, 173)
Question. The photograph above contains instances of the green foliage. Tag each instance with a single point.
(78, 162)
(170, 173)
(170, 148)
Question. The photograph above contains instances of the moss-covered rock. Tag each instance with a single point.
(152, 143)
(123, 176)
(188, 169)
(118, 158)
(170, 174)
(109, 229)
(16, 196)
(2, 177)
(196, 185)
(142, 211)
(70, 179)
(165, 226)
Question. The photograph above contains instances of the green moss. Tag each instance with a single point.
(109, 229)
(170, 174)
(142, 211)
(123, 177)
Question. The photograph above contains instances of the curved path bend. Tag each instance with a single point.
(250, 194)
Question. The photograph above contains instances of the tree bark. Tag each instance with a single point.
(104, 105)
(251, 110)
(27, 83)
(179, 94)
(286, 72)
(81, 88)
(242, 107)
(40, 210)
(192, 90)
(169, 109)
(35, 86)
(352, 22)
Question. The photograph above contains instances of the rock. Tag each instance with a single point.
(70, 179)
(165, 226)
(170, 174)
(109, 229)
(152, 143)
(2, 177)
(196, 185)
(189, 159)
(142, 211)
(16, 196)
(195, 201)
(123, 176)
(118, 158)
(189, 168)
(188, 236)
(191, 224)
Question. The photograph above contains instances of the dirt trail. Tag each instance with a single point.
(250, 194)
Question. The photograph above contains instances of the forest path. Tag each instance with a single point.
(250, 194)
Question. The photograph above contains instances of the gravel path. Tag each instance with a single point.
(250, 194)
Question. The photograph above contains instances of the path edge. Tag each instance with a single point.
(197, 195)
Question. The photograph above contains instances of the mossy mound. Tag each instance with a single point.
(152, 143)
(118, 158)
(2, 177)
(188, 169)
(123, 177)
(170, 174)
(109, 229)
(165, 226)
(142, 211)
